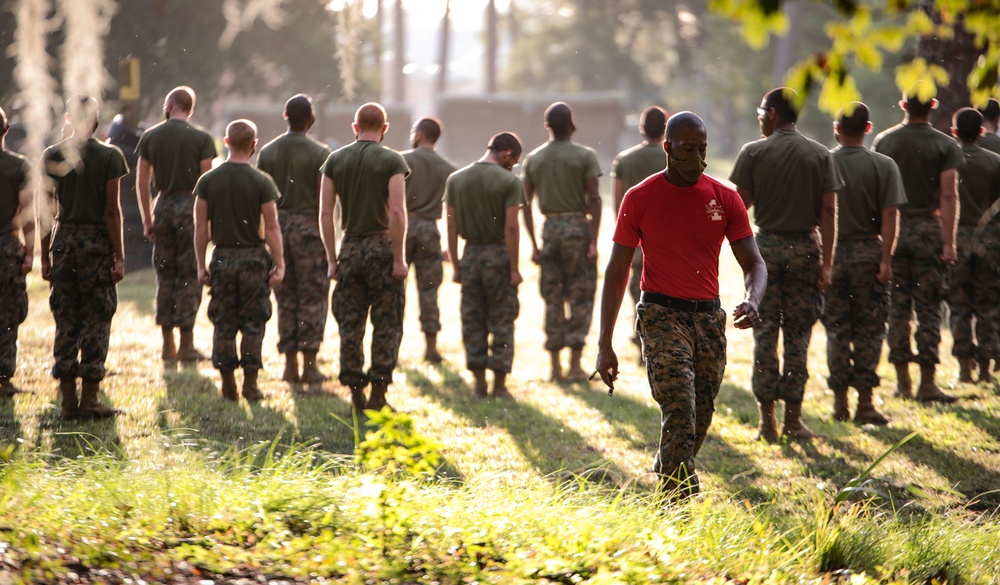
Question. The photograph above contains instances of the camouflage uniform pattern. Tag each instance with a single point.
(974, 292)
(489, 308)
(83, 301)
(791, 305)
(302, 295)
(423, 251)
(365, 283)
(15, 306)
(240, 303)
(178, 292)
(567, 278)
(855, 313)
(919, 284)
(685, 357)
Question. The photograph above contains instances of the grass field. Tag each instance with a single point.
(555, 487)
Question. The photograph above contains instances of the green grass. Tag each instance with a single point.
(552, 488)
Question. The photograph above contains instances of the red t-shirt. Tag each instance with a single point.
(680, 230)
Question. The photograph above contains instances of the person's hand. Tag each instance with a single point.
(203, 276)
(825, 277)
(29, 258)
(456, 274)
(515, 277)
(536, 256)
(117, 270)
(147, 230)
(276, 276)
(46, 269)
(948, 255)
(399, 269)
(745, 315)
(331, 271)
(592, 252)
(607, 366)
(884, 272)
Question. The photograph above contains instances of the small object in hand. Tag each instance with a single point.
(611, 389)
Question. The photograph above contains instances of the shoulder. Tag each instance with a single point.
(274, 144)
(887, 135)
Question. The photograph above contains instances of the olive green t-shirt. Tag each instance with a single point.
(15, 174)
(293, 160)
(787, 174)
(559, 170)
(480, 194)
(360, 174)
(922, 153)
(175, 149)
(871, 184)
(235, 193)
(81, 178)
(425, 184)
(991, 142)
(978, 184)
(635, 164)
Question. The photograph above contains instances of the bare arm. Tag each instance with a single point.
(453, 244)
(26, 216)
(397, 224)
(143, 174)
(327, 231)
(512, 237)
(747, 197)
(594, 209)
(529, 220)
(828, 233)
(204, 166)
(890, 227)
(618, 190)
(272, 235)
(46, 224)
(201, 238)
(949, 214)
(615, 283)
(113, 221)
(754, 280)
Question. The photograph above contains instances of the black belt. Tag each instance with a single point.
(680, 304)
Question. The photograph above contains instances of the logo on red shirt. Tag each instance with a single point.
(715, 211)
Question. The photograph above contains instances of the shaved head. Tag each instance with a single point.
(83, 114)
(370, 117)
(241, 134)
(968, 124)
(652, 122)
(681, 121)
(559, 119)
(505, 141)
(298, 112)
(182, 98)
(855, 124)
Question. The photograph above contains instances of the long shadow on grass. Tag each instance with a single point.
(60, 439)
(324, 417)
(553, 449)
(135, 288)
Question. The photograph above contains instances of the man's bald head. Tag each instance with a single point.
(683, 120)
(83, 114)
(559, 119)
(652, 122)
(241, 135)
(299, 112)
(182, 98)
(370, 117)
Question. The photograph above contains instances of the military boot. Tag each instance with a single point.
(557, 373)
(291, 373)
(70, 403)
(358, 399)
(229, 390)
(310, 371)
(984, 371)
(794, 428)
(866, 413)
(928, 390)
(89, 406)
(169, 348)
(432, 355)
(480, 389)
(965, 370)
(841, 411)
(768, 428)
(904, 385)
(250, 390)
(186, 352)
(377, 399)
(500, 387)
(576, 373)
(8, 389)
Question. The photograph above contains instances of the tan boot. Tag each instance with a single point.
(291, 373)
(904, 385)
(169, 348)
(432, 355)
(965, 370)
(229, 390)
(794, 428)
(500, 387)
(768, 427)
(841, 410)
(866, 413)
(186, 352)
(576, 373)
(250, 390)
(89, 406)
(377, 399)
(480, 390)
(70, 403)
(557, 373)
(984, 371)
(358, 400)
(310, 370)
(8, 389)
(928, 390)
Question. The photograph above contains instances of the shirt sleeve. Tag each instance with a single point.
(200, 187)
(400, 167)
(24, 181)
(738, 226)
(270, 189)
(615, 167)
(327, 168)
(953, 157)
(627, 227)
(142, 149)
(593, 167)
(515, 194)
(208, 148)
(892, 187)
(449, 194)
(117, 166)
(741, 175)
(831, 180)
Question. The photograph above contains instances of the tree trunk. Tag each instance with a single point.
(399, 89)
(491, 47)
(442, 81)
(957, 55)
(784, 50)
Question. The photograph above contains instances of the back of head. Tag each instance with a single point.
(559, 119)
(370, 117)
(968, 124)
(83, 114)
(182, 98)
(856, 123)
(241, 134)
(505, 141)
(782, 99)
(430, 128)
(919, 99)
(682, 120)
(653, 122)
(299, 111)
(992, 111)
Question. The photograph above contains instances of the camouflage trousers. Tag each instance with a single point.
(973, 294)
(365, 283)
(791, 306)
(240, 303)
(919, 284)
(489, 308)
(83, 300)
(178, 292)
(854, 314)
(302, 295)
(685, 357)
(568, 281)
(423, 251)
(15, 306)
